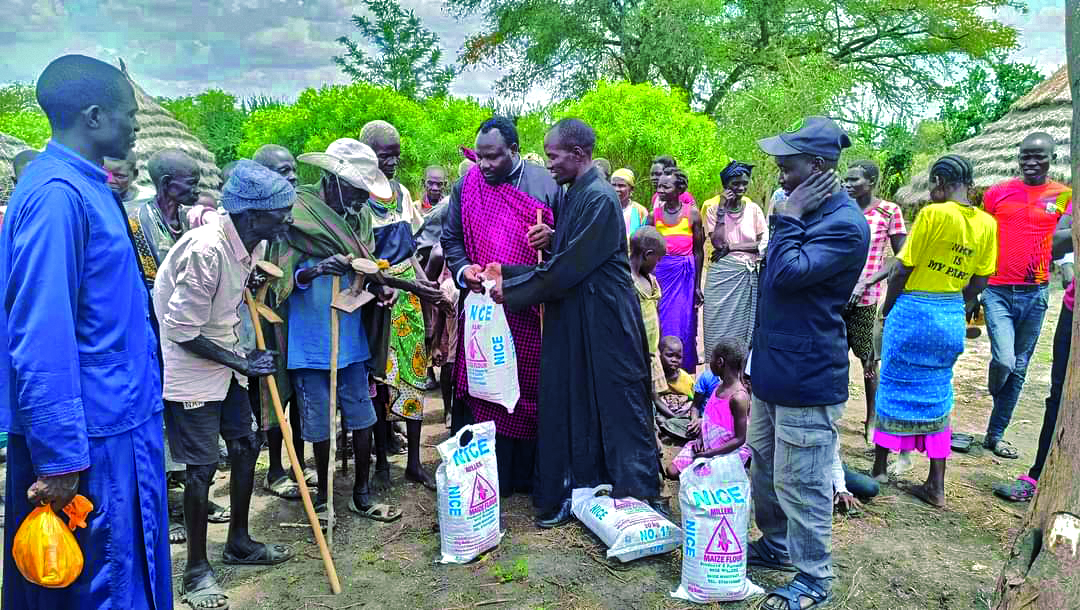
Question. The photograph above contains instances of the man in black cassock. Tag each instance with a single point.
(595, 417)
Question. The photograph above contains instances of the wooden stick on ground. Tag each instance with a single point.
(335, 285)
(298, 471)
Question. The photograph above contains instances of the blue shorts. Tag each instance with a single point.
(312, 387)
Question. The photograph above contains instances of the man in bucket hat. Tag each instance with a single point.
(818, 242)
(197, 295)
(332, 226)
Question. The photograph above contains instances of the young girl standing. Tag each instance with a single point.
(726, 414)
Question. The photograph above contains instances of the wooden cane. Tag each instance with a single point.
(540, 259)
(335, 285)
(298, 472)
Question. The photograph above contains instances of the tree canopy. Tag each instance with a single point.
(407, 56)
(901, 49)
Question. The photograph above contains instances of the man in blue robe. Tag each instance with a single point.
(82, 393)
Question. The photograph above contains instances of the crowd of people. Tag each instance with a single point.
(132, 365)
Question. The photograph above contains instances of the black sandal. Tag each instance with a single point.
(792, 593)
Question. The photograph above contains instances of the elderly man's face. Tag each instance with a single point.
(183, 186)
(388, 150)
(434, 185)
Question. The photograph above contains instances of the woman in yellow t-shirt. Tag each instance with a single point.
(946, 261)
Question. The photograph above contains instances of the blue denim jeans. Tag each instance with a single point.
(791, 477)
(1014, 318)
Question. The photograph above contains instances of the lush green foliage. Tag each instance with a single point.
(984, 96)
(635, 123)
(20, 116)
(214, 117)
(431, 129)
(901, 49)
(407, 55)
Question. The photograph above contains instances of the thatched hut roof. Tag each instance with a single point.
(157, 130)
(9, 147)
(1047, 107)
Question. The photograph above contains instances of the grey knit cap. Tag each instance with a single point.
(254, 187)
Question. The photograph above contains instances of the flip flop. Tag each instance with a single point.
(283, 487)
(761, 556)
(376, 512)
(791, 594)
(962, 442)
(177, 533)
(1003, 449)
(265, 555)
(197, 597)
(1020, 490)
(218, 513)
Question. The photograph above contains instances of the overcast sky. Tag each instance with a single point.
(280, 47)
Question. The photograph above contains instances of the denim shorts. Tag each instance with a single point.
(312, 387)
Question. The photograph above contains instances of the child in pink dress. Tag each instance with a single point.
(726, 415)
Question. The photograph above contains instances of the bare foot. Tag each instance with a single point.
(902, 464)
(381, 479)
(924, 493)
(420, 476)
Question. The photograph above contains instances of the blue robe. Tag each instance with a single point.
(82, 391)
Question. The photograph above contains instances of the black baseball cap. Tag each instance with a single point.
(817, 135)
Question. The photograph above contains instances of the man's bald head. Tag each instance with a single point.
(277, 159)
(171, 162)
(21, 160)
(384, 139)
(1036, 155)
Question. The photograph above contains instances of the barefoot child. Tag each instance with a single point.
(647, 247)
(727, 411)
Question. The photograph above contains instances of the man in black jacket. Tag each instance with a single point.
(818, 242)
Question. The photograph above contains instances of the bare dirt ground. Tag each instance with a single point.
(900, 554)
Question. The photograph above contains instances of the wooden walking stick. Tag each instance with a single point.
(335, 284)
(540, 259)
(286, 434)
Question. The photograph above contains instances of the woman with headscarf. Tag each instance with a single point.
(945, 262)
(731, 281)
(634, 214)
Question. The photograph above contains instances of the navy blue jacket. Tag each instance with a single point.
(800, 345)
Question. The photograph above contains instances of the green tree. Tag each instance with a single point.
(984, 96)
(635, 123)
(214, 117)
(20, 115)
(407, 55)
(901, 49)
(432, 130)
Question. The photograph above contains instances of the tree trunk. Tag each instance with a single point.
(1043, 568)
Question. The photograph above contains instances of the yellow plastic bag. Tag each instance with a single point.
(45, 550)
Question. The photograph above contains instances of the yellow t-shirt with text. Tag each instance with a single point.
(948, 244)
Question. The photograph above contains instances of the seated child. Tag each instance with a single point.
(675, 400)
(727, 411)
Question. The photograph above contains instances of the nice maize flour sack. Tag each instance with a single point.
(468, 488)
(490, 357)
(630, 528)
(714, 497)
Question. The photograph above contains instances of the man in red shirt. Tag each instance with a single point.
(1027, 211)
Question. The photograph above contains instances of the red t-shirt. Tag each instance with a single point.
(1026, 218)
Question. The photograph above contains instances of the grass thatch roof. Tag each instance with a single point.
(1048, 107)
(158, 130)
(9, 147)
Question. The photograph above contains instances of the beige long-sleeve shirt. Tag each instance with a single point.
(199, 291)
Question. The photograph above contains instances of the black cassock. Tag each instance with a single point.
(595, 415)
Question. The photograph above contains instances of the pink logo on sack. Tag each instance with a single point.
(475, 352)
(627, 503)
(724, 545)
(483, 495)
